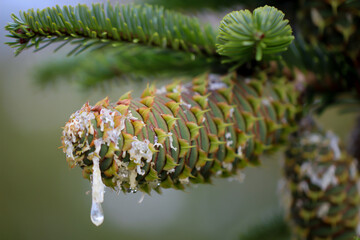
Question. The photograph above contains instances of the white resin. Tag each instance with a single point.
(161, 90)
(184, 180)
(78, 125)
(240, 151)
(229, 142)
(187, 105)
(227, 166)
(171, 141)
(320, 176)
(232, 110)
(240, 176)
(265, 101)
(140, 149)
(303, 187)
(107, 116)
(314, 138)
(334, 144)
(216, 83)
(97, 216)
(323, 210)
(156, 143)
(141, 198)
(130, 116)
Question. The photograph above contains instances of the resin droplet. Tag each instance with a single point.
(97, 215)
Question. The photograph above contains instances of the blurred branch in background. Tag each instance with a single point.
(196, 5)
(288, 7)
(326, 75)
(121, 64)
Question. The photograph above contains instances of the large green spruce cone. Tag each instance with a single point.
(323, 183)
(214, 126)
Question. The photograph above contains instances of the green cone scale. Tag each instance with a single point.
(323, 184)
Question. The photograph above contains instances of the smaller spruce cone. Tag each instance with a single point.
(322, 180)
(176, 134)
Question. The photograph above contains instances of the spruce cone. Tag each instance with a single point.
(178, 134)
(323, 182)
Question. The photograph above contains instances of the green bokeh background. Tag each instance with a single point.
(41, 198)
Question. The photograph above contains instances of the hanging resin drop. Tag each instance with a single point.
(97, 215)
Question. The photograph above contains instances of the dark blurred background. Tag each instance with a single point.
(41, 198)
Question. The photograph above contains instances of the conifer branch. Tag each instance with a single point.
(101, 26)
(121, 64)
